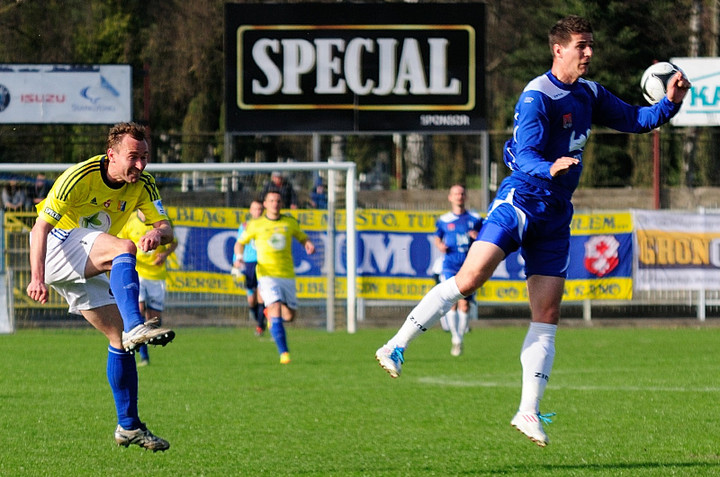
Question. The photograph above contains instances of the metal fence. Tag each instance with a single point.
(202, 309)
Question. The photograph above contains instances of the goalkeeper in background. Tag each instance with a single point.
(152, 272)
(273, 234)
(245, 263)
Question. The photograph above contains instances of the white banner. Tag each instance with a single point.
(676, 250)
(67, 94)
(702, 103)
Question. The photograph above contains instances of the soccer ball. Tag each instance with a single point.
(655, 79)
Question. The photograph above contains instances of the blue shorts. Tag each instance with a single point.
(251, 282)
(536, 220)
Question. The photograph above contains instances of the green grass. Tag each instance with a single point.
(629, 401)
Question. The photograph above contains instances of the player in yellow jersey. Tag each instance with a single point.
(73, 244)
(152, 272)
(273, 234)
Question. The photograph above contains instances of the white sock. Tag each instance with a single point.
(537, 355)
(452, 321)
(462, 324)
(435, 304)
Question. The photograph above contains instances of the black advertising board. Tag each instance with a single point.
(355, 68)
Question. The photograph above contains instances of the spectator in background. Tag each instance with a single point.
(319, 198)
(14, 197)
(278, 183)
(40, 190)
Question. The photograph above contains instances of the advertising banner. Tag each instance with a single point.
(395, 255)
(702, 103)
(65, 94)
(676, 250)
(332, 67)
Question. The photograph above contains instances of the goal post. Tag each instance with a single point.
(331, 167)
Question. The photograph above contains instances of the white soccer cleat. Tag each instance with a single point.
(391, 360)
(141, 437)
(456, 349)
(147, 333)
(530, 424)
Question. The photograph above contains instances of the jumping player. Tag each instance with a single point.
(532, 209)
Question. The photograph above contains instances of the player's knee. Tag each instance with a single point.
(127, 246)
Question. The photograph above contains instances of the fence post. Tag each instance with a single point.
(587, 310)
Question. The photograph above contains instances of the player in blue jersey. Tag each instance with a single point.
(455, 232)
(532, 208)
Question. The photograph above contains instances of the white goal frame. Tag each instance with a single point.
(350, 169)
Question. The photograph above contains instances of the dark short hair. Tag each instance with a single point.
(561, 33)
(271, 192)
(120, 130)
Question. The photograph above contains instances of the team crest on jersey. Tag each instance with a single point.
(121, 206)
(277, 241)
(107, 203)
(567, 121)
(601, 254)
(98, 221)
(451, 226)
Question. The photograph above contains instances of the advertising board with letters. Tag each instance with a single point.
(701, 106)
(676, 250)
(65, 94)
(395, 255)
(309, 68)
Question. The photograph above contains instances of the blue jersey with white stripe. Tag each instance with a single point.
(553, 119)
(453, 230)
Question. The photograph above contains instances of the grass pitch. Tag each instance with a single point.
(629, 401)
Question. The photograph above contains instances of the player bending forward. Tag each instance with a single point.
(73, 244)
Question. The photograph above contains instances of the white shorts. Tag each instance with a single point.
(152, 292)
(273, 290)
(67, 254)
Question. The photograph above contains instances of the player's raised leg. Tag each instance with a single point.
(118, 256)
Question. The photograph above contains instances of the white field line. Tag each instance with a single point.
(452, 382)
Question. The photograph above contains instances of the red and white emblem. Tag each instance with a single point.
(601, 254)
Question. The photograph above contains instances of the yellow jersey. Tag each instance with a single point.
(273, 241)
(134, 229)
(81, 197)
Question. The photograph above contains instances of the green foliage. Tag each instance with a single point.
(229, 408)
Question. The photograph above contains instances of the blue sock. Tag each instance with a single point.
(123, 379)
(125, 287)
(277, 331)
(143, 350)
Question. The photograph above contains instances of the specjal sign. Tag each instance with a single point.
(306, 68)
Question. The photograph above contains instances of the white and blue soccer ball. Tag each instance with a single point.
(655, 79)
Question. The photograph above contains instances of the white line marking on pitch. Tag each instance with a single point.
(444, 381)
